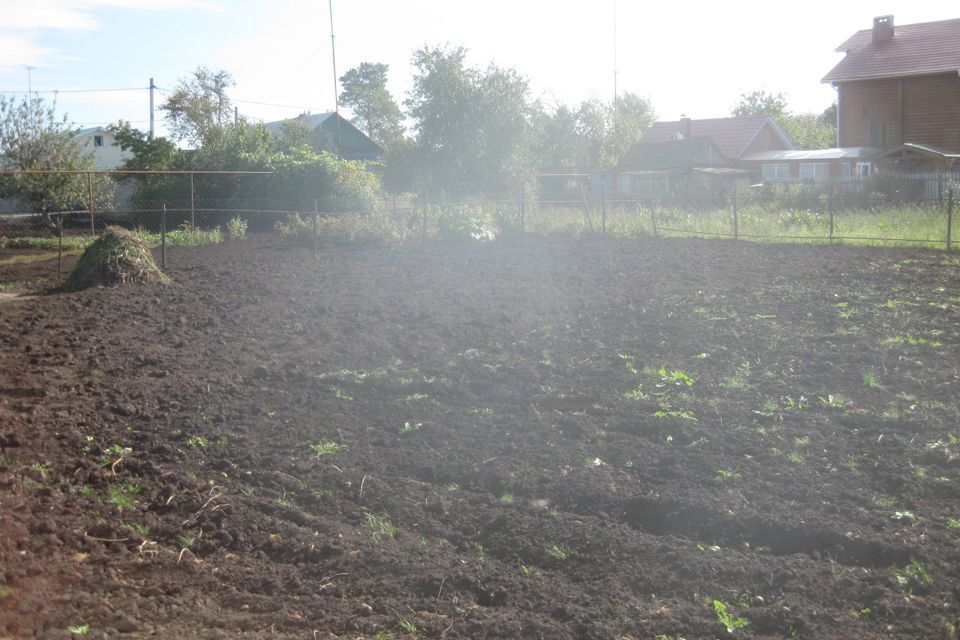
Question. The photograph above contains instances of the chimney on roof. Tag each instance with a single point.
(882, 29)
(685, 127)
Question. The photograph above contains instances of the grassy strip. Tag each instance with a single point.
(37, 257)
(177, 237)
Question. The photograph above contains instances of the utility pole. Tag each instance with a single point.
(236, 115)
(336, 96)
(29, 81)
(152, 87)
(614, 54)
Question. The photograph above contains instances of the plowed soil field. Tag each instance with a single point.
(530, 438)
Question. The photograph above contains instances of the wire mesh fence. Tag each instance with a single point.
(212, 209)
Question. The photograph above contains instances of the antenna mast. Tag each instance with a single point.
(614, 53)
(336, 97)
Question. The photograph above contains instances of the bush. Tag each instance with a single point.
(237, 228)
(370, 228)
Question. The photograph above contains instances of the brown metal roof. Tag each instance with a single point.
(730, 135)
(915, 49)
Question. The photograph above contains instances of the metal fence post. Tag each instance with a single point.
(830, 208)
(93, 229)
(736, 229)
(950, 193)
(163, 237)
(193, 206)
(523, 209)
(59, 247)
(315, 207)
(653, 218)
(603, 207)
(423, 221)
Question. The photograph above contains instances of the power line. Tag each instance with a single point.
(81, 90)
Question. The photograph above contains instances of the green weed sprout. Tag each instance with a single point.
(727, 619)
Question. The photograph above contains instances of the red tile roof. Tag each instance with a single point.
(915, 49)
(731, 135)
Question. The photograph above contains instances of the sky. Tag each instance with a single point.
(687, 58)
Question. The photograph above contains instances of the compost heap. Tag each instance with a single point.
(118, 257)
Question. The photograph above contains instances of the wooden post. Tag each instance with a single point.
(736, 229)
(653, 217)
(950, 193)
(315, 209)
(830, 208)
(193, 206)
(163, 237)
(93, 230)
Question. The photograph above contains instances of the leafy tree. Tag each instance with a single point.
(473, 128)
(761, 103)
(147, 153)
(594, 136)
(806, 130)
(630, 115)
(365, 93)
(199, 105)
(32, 138)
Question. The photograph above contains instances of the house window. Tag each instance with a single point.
(816, 171)
(879, 134)
(844, 170)
(772, 172)
(98, 141)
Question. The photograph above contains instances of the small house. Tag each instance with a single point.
(334, 133)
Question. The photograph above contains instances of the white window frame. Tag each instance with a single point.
(816, 171)
(775, 171)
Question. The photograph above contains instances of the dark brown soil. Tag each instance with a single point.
(572, 439)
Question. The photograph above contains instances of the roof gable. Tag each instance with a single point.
(732, 136)
(915, 49)
(672, 154)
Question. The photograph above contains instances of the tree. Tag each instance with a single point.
(374, 111)
(592, 137)
(147, 152)
(32, 138)
(761, 103)
(199, 105)
(805, 130)
(473, 128)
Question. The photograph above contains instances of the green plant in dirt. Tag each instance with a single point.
(636, 394)
(117, 496)
(406, 626)
(628, 363)
(913, 575)
(910, 341)
(410, 427)
(667, 412)
(507, 497)
(198, 441)
(953, 523)
(725, 475)
(833, 401)
(730, 621)
(870, 379)
(139, 528)
(42, 469)
(380, 526)
(185, 541)
(79, 629)
(558, 552)
(739, 379)
(904, 516)
(676, 377)
(794, 404)
(327, 448)
(237, 228)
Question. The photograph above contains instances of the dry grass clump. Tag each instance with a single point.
(118, 257)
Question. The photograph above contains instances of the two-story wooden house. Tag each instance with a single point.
(898, 89)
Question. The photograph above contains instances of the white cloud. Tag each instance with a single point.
(24, 22)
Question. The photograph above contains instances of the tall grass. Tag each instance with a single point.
(184, 237)
(912, 225)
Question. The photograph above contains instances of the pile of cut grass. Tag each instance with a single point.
(118, 257)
